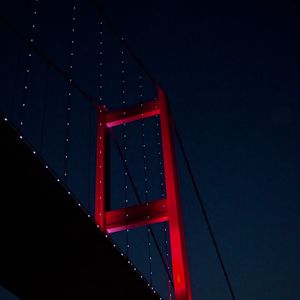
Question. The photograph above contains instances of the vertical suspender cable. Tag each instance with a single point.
(28, 69)
(69, 96)
(44, 109)
(124, 138)
(100, 101)
(89, 158)
(146, 198)
(101, 53)
(14, 85)
(163, 193)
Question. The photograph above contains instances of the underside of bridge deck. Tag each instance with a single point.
(49, 248)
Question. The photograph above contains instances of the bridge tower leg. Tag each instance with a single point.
(167, 209)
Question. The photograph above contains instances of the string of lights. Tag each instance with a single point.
(28, 63)
(44, 109)
(15, 80)
(69, 94)
(101, 12)
(124, 139)
(100, 102)
(146, 188)
(101, 61)
(163, 194)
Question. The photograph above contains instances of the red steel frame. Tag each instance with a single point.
(168, 209)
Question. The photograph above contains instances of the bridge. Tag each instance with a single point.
(89, 165)
(49, 247)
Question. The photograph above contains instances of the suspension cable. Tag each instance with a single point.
(163, 193)
(28, 69)
(44, 109)
(116, 32)
(49, 61)
(89, 158)
(69, 95)
(13, 93)
(100, 101)
(212, 235)
(124, 139)
(146, 187)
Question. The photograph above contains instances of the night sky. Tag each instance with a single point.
(232, 76)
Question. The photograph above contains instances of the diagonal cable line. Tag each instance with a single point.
(211, 233)
(139, 200)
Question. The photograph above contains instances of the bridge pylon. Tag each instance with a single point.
(166, 209)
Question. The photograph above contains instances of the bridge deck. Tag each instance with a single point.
(49, 249)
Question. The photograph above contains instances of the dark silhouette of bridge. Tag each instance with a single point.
(50, 248)
(58, 245)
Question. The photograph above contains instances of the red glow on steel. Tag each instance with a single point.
(130, 114)
(168, 209)
(135, 216)
(101, 170)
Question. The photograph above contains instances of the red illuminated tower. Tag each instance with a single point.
(168, 209)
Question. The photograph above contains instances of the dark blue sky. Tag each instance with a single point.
(232, 75)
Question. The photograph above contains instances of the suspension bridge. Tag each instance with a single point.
(88, 157)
